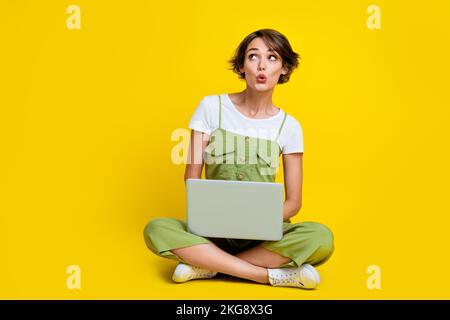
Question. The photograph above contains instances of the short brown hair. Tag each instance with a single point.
(274, 40)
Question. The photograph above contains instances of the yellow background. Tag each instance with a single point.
(87, 116)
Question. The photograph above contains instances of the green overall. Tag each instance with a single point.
(230, 156)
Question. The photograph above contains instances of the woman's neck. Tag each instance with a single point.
(256, 104)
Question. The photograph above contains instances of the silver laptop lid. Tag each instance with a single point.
(235, 209)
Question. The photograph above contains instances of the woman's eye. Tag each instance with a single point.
(274, 56)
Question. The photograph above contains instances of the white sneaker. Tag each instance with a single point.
(305, 277)
(184, 272)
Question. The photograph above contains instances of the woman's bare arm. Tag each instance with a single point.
(293, 176)
(197, 144)
(292, 164)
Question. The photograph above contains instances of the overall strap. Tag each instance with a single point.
(220, 111)
(281, 127)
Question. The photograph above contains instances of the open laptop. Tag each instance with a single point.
(235, 209)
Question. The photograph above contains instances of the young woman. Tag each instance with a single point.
(263, 59)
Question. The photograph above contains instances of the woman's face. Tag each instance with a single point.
(259, 60)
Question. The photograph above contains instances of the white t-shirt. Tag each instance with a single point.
(206, 119)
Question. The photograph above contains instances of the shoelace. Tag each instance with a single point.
(290, 278)
(201, 272)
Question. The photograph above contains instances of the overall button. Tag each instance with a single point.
(240, 176)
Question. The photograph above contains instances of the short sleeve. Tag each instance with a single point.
(294, 140)
(201, 118)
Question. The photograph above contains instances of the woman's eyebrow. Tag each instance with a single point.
(270, 50)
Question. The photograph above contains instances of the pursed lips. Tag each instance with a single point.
(261, 77)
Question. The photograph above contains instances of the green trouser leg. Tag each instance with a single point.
(164, 234)
(306, 242)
